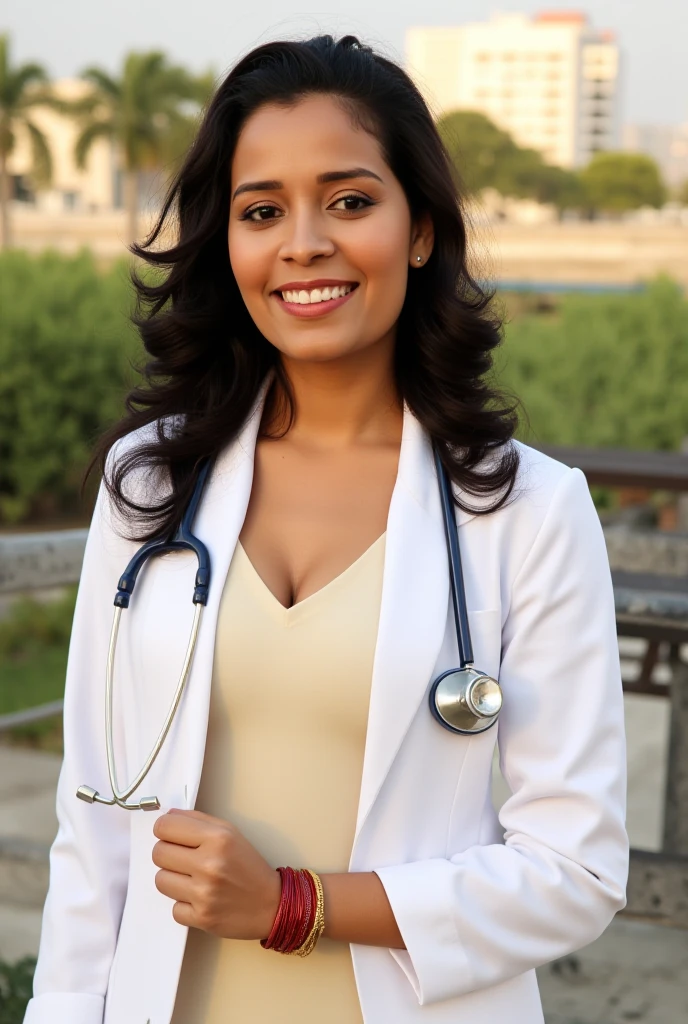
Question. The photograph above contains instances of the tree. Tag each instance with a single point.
(20, 92)
(682, 194)
(618, 182)
(477, 147)
(559, 186)
(143, 112)
(485, 156)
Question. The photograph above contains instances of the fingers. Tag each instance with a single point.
(175, 886)
(181, 828)
(183, 914)
(174, 857)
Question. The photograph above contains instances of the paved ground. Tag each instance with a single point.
(635, 972)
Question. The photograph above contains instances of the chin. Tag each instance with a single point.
(317, 350)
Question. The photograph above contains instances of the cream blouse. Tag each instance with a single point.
(283, 762)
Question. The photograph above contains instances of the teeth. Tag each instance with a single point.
(305, 298)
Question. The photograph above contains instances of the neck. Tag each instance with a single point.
(342, 402)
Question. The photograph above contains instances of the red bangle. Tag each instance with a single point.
(296, 912)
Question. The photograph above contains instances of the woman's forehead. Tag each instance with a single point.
(312, 136)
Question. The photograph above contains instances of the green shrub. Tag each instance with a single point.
(15, 989)
(31, 624)
(603, 370)
(34, 641)
(65, 348)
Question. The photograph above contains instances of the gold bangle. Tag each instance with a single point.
(311, 940)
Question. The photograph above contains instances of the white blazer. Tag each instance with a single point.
(480, 900)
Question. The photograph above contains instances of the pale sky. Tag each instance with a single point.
(67, 35)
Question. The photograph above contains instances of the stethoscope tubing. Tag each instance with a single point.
(184, 539)
(458, 590)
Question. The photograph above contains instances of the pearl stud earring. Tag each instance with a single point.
(419, 259)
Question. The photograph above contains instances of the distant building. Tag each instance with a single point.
(95, 188)
(666, 144)
(551, 81)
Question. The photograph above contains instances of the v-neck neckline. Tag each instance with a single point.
(294, 608)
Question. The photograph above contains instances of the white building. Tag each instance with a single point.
(551, 81)
(91, 189)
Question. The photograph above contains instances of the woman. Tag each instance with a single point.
(316, 333)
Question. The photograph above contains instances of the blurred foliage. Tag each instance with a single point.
(138, 110)
(16, 982)
(150, 113)
(617, 182)
(22, 89)
(590, 369)
(32, 624)
(65, 346)
(34, 641)
(485, 156)
(603, 370)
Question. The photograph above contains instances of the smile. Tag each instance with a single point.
(319, 298)
(305, 298)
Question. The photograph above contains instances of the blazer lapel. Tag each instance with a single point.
(218, 524)
(413, 612)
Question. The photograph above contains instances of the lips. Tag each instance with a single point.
(306, 293)
(314, 298)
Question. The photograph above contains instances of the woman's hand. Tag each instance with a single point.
(219, 882)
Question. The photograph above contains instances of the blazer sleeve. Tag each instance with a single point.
(492, 912)
(89, 859)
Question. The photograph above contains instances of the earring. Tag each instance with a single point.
(419, 259)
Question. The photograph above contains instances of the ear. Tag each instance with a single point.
(422, 240)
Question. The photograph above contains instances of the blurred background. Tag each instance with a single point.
(569, 129)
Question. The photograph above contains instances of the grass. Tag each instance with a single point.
(34, 639)
(15, 989)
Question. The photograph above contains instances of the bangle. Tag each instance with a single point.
(318, 926)
(300, 917)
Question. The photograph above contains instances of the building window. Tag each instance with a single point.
(20, 189)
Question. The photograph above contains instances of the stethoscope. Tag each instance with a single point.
(463, 700)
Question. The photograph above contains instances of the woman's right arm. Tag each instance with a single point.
(89, 860)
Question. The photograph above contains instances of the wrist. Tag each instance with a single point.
(273, 895)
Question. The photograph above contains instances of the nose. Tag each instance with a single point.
(305, 237)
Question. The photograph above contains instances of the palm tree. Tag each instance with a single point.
(141, 111)
(19, 92)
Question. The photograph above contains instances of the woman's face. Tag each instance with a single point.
(320, 232)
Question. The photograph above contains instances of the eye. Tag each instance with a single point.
(351, 203)
(260, 213)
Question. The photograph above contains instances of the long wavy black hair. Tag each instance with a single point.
(206, 359)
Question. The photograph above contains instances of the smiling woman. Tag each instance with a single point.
(320, 355)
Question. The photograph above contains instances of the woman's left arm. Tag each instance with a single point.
(492, 912)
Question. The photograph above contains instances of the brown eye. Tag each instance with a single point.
(352, 203)
(266, 211)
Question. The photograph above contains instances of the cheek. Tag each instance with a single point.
(249, 264)
(382, 255)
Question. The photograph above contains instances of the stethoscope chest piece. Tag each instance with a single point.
(465, 700)
(462, 699)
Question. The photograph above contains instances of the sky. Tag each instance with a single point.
(68, 35)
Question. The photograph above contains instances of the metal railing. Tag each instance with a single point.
(651, 603)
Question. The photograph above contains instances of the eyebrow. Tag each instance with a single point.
(322, 179)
